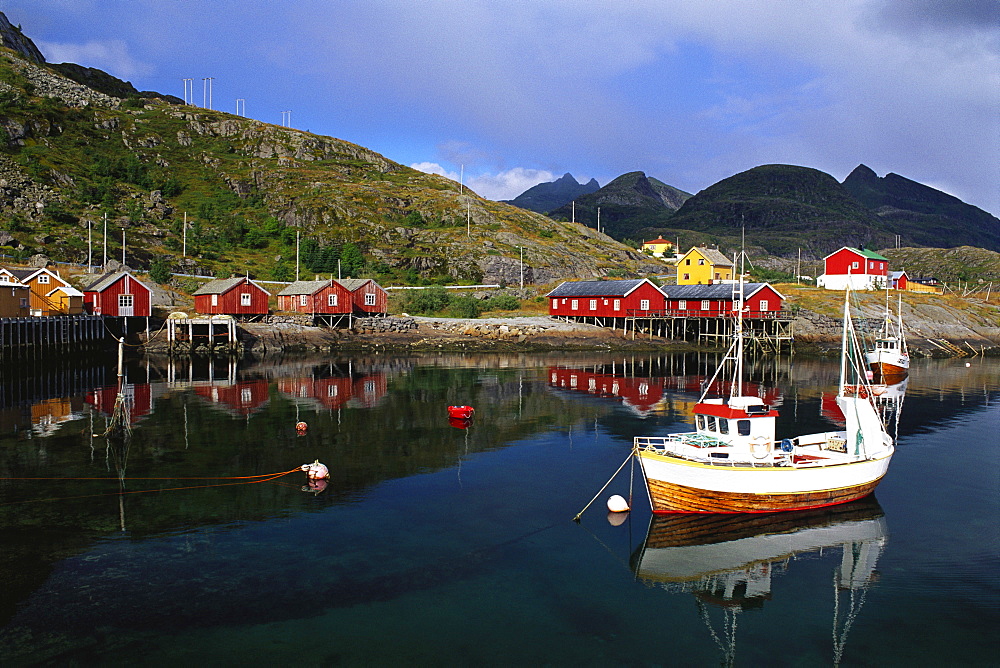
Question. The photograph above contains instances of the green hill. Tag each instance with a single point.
(72, 154)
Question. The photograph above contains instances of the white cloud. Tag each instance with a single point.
(112, 56)
(502, 185)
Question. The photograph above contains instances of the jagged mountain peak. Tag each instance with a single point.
(12, 38)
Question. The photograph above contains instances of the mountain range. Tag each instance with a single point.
(545, 197)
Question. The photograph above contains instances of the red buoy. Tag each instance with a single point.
(301, 426)
(461, 412)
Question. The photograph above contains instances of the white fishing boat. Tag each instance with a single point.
(734, 463)
(888, 356)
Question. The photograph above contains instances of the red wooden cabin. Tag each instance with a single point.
(850, 267)
(716, 300)
(232, 296)
(606, 299)
(369, 297)
(117, 293)
(316, 297)
(899, 280)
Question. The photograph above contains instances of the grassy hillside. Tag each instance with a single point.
(250, 190)
(951, 265)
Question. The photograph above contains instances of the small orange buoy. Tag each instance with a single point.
(301, 426)
(463, 412)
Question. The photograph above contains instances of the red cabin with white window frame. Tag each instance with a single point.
(232, 296)
(607, 299)
(369, 297)
(855, 269)
(716, 301)
(116, 294)
(316, 297)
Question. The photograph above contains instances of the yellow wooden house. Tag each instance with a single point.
(41, 282)
(659, 247)
(704, 266)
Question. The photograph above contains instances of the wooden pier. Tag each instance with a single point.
(39, 336)
(211, 334)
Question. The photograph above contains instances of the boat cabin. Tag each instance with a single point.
(745, 421)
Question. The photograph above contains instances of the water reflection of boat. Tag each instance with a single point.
(729, 561)
(733, 463)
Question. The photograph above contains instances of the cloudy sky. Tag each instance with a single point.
(510, 93)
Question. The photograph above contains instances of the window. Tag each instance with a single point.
(717, 276)
(687, 277)
(763, 305)
(370, 299)
(699, 421)
(302, 300)
(854, 265)
(555, 304)
(593, 304)
(618, 305)
(125, 301)
(215, 300)
(43, 279)
(723, 426)
(246, 396)
(644, 304)
(701, 261)
(574, 304)
(687, 261)
(743, 427)
(332, 391)
(706, 305)
(713, 424)
(245, 299)
(24, 302)
(331, 300)
(682, 305)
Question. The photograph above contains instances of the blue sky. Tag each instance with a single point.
(513, 92)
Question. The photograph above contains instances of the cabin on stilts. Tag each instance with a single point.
(370, 298)
(328, 302)
(605, 303)
(239, 297)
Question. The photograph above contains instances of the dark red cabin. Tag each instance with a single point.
(716, 300)
(117, 293)
(232, 296)
(606, 299)
(369, 297)
(316, 297)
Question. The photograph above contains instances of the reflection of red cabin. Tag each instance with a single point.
(322, 297)
(716, 300)
(606, 299)
(640, 394)
(369, 390)
(243, 398)
(829, 409)
(117, 294)
(138, 398)
(369, 297)
(232, 296)
(330, 393)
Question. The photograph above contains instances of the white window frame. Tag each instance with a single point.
(246, 299)
(706, 305)
(331, 300)
(215, 300)
(370, 299)
(682, 305)
(126, 300)
(303, 300)
(43, 279)
(854, 265)
(763, 305)
(643, 304)
(618, 305)
(574, 304)
(593, 304)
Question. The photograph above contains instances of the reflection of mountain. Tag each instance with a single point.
(728, 561)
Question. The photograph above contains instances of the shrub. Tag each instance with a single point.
(503, 303)
(159, 270)
(427, 302)
(465, 307)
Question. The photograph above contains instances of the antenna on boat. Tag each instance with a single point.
(738, 376)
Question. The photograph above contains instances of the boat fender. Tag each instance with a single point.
(301, 426)
(316, 471)
(617, 504)
(786, 445)
(762, 445)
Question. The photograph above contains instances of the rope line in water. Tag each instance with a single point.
(244, 481)
(173, 477)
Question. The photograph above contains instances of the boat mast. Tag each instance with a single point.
(843, 341)
(737, 387)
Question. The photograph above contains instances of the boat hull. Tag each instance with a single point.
(888, 365)
(678, 486)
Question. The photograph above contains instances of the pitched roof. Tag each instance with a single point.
(870, 254)
(619, 288)
(221, 285)
(659, 240)
(108, 279)
(65, 289)
(898, 274)
(713, 255)
(353, 284)
(303, 288)
(25, 274)
(722, 291)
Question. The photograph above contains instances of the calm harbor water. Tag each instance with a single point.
(434, 544)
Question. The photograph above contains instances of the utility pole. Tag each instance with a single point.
(572, 218)
(286, 118)
(522, 266)
(188, 86)
(184, 247)
(598, 219)
(798, 270)
(461, 179)
(298, 234)
(468, 219)
(105, 241)
(240, 100)
(204, 92)
(123, 245)
(90, 248)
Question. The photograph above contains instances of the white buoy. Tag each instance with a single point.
(968, 364)
(617, 504)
